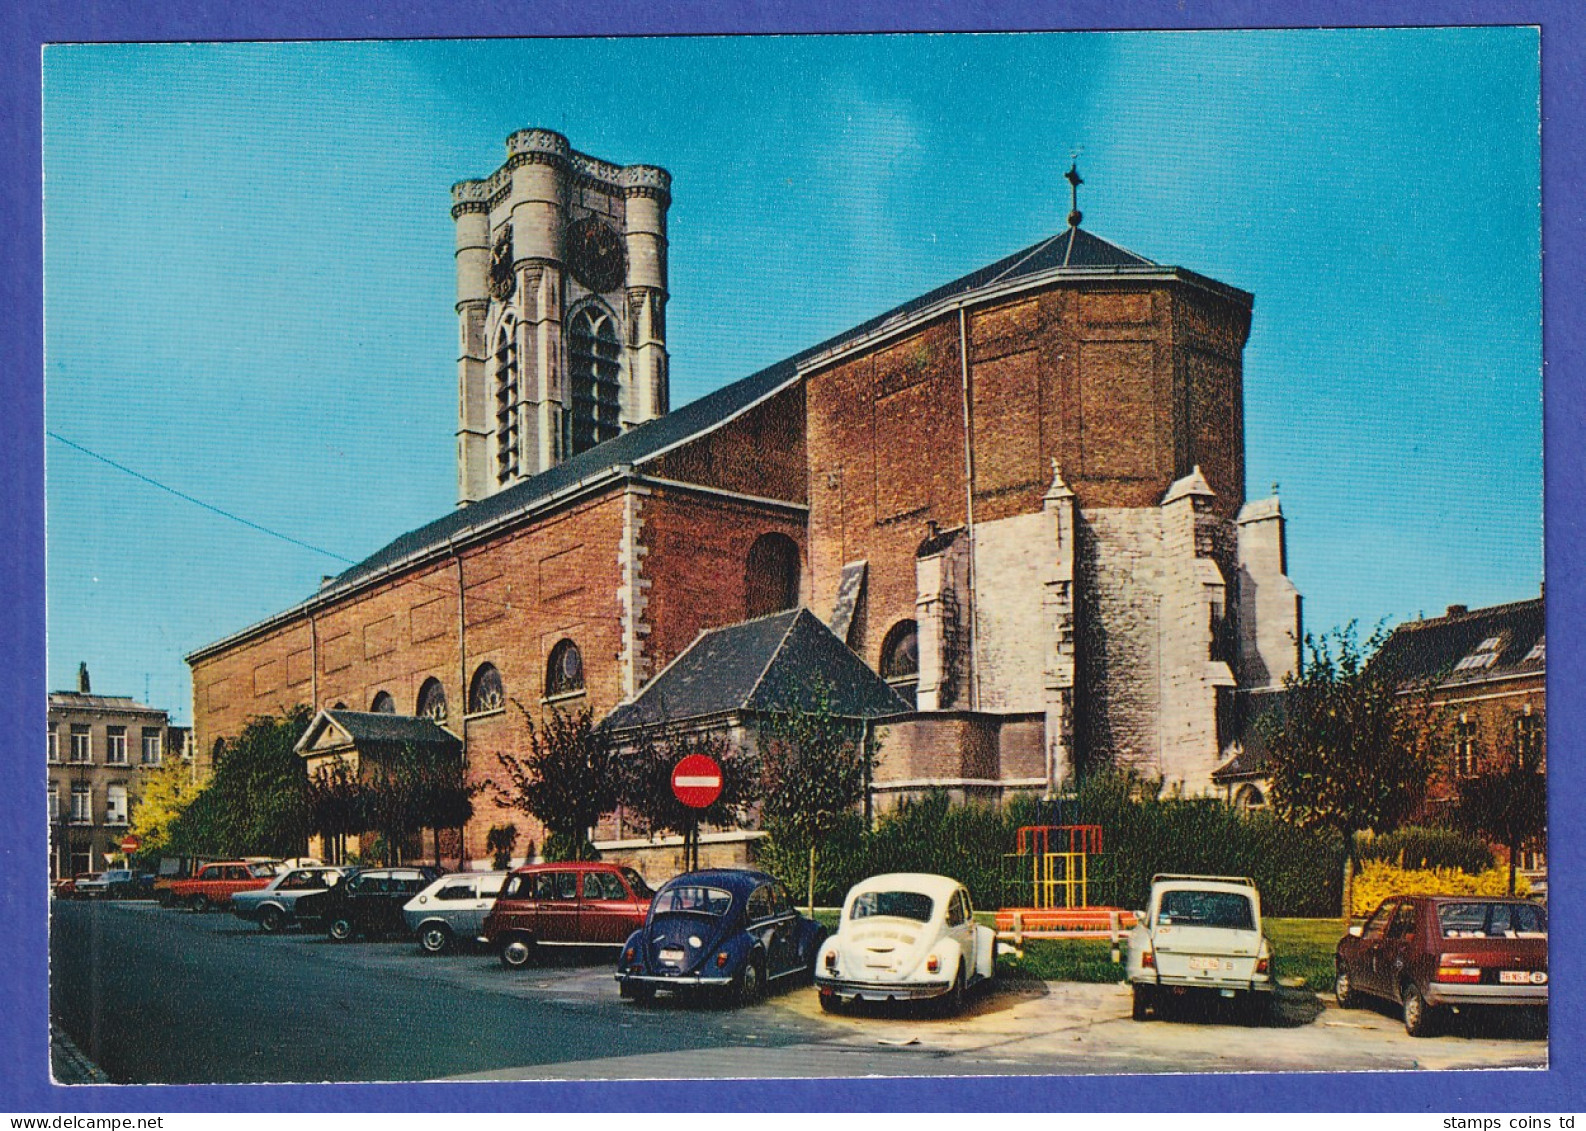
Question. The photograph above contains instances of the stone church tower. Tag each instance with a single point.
(561, 308)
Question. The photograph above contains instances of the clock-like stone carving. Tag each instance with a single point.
(502, 278)
(595, 255)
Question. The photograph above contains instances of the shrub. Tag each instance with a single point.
(1378, 880)
(1420, 848)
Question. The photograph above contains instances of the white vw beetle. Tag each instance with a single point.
(904, 937)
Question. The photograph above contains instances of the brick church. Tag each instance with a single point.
(1018, 499)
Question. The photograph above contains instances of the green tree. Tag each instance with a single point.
(646, 783)
(166, 794)
(569, 778)
(1352, 749)
(816, 766)
(336, 802)
(257, 799)
(1507, 804)
(499, 842)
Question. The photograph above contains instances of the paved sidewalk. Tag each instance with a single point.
(69, 1064)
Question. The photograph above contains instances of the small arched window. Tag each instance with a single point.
(340, 706)
(486, 692)
(1249, 797)
(383, 704)
(432, 700)
(771, 575)
(900, 652)
(564, 674)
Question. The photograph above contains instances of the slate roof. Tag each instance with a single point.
(770, 664)
(376, 728)
(78, 701)
(1431, 649)
(1072, 250)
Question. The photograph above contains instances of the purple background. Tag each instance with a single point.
(23, 954)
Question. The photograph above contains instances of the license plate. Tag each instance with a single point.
(1522, 977)
(671, 954)
(1204, 965)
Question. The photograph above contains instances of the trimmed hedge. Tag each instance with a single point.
(1418, 848)
(1298, 873)
(1377, 880)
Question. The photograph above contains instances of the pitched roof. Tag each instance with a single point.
(1446, 648)
(376, 728)
(766, 665)
(80, 701)
(1072, 253)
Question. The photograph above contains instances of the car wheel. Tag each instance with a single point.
(165, 899)
(341, 929)
(199, 903)
(270, 920)
(1142, 1002)
(518, 952)
(435, 938)
(750, 983)
(951, 1004)
(1419, 1018)
(1344, 989)
(1257, 1009)
(831, 1003)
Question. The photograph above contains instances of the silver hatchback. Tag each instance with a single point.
(453, 908)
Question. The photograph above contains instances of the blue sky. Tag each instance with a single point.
(249, 275)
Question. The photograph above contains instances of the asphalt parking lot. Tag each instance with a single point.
(299, 1007)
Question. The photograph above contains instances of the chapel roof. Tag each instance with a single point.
(770, 664)
(1469, 645)
(376, 728)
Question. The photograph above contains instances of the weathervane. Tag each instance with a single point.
(1074, 181)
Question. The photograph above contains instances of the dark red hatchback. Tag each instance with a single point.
(573, 904)
(1433, 953)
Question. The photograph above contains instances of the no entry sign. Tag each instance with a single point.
(129, 843)
(696, 781)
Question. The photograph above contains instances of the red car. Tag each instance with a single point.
(213, 885)
(1435, 953)
(66, 888)
(574, 904)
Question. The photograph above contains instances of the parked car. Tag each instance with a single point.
(92, 886)
(587, 903)
(213, 885)
(66, 887)
(117, 883)
(905, 936)
(1434, 953)
(729, 930)
(453, 910)
(274, 906)
(367, 903)
(1201, 935)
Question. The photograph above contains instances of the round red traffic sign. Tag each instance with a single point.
(696, 781)
(130, 843)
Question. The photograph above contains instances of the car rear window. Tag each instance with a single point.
(899, 904)
(692, 897)
(1474, 920)
(1226, 909)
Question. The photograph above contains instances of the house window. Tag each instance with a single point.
(55, 744)
(486, 692)
(564, 674)
(1532, 860)
(1484, 657)
(771, 575)
(507, 410)
(82, 804)
(116, 805)
(55, 803)
(593, 368)
(82, 745)
(1467, 755)
(432, 700)
(1538, 652)
(1530, 739)
(115, 746)
(153, 746)
(383, 704)
(1249, 797)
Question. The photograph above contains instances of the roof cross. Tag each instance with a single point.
(1074, 181)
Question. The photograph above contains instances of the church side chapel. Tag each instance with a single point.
(1016, 500)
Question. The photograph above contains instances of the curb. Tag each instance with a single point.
(69, 1064)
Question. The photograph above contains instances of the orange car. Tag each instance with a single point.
(214, 884)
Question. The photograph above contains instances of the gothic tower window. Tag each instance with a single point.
(432, 700)
(593, 353)
(564, 673)
(506, 382)
(900, 658)
(486, 693)
(771, 575)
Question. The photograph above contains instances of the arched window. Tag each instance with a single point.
(340, 706)
(383, 704)
(564, 674)
(1249, 797)
(594, 372)
(900, 658)
(486, 693)
(506, 374)
(771, 575)
(432, 700)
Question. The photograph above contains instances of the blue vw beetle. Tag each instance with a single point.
(731, 930)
